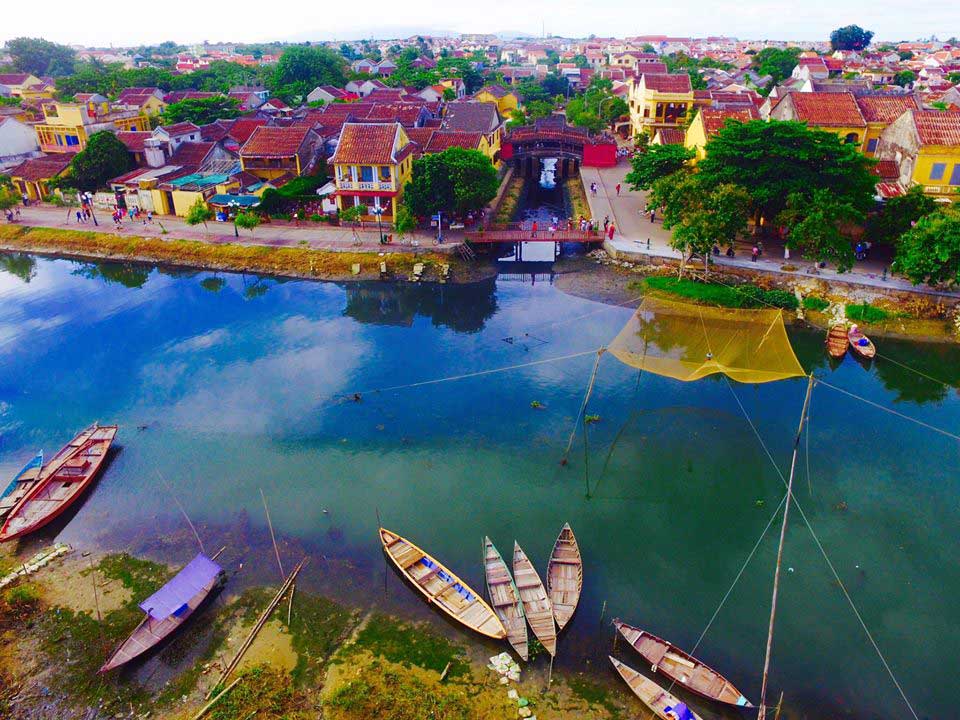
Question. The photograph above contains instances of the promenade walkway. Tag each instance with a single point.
(276, 233)
(636, 238)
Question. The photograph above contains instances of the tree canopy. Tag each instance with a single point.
(898, 215)
(775, 62)
(656, 162)
(929, 252)
(40, 57)
(455, 180)
(582, 110)
(103, 158)
(301, 68)
(201, 111)
(850, 37)
(818, 223)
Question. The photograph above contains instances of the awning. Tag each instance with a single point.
(173, 597)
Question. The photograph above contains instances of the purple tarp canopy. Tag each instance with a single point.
(681, 711)
(183, 586)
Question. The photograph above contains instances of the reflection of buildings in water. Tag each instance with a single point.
(464, 308)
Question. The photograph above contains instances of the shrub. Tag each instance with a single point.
(317, 217)
(739, 296)
(21, 595)
(816, 304)
(867, 313)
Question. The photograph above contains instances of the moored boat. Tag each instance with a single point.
(663, 704)
(441, 587)
(861, 344)
(536, 603)
(682, 667)
(61, 482)
(565, 576)
(505, 598)
(168, 608)
(21, 484)
(837, 341)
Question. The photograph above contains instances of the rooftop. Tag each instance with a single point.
(369, 143)
(266, 141)
(937, 128)
(825, 109)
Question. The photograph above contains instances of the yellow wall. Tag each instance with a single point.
(17, 90)
(153, 106)
(843, 132)
(645, 104)
(505, 105)
(399, 176)
(928, 156)
(696, 137)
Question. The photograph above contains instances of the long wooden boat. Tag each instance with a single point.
(663, 704)
(441, 587)
(681, 667)
(21, 484)
(861, 344)
(536, 603)
(62, 481)
(565, 576)
(505, 598)
(168, 609)
(837, 341)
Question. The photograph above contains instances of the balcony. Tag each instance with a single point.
(365, 185)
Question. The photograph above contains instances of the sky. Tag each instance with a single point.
(188, 21)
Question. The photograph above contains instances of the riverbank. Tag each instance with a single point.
(281, 261)
(341, 663)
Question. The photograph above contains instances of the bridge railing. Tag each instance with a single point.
(540, 235)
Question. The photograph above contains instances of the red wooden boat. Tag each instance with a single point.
(682, 667)
(61, 482)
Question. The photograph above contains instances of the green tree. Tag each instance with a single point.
(905, 55)
(817, 225)
(775, 62)
(953, 78)
(103, 158)
(898, 215)
(850, 37)
(658, 161)
(904, 78)
(199, 213)
(8, 198)
(455, 180)
(40, 57)
(581, 61)
(772, 160)
(403, 221)
(301, 68)
(930, 251)
(539, 109)
(202, 111)
(348, 52)
(430, 188)
(247, 221)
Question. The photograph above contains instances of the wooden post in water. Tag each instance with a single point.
(603, 611)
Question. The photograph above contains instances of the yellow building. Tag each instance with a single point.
(275, 152)
(40, 91)
(925, 144)
(372, 164)
(68, 126)
(659, 101)
(832, 112)
(32, 177)
(879, 111)
(17, 82)
(505, 100)
(708, 122)
(472, 117)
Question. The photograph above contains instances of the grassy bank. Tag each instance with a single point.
(713, 293)
(299, 262)
(509, 202)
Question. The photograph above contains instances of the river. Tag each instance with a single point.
(226, 384)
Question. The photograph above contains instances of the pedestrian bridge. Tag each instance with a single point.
(540, 235)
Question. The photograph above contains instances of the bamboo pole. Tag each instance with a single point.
(206, 708)
(762, 710)
(272, 536)
(261, 621)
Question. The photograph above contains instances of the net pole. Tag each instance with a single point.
(762, 710)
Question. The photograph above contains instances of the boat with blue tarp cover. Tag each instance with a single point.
(21, 484)
(168, 608)
(441, 586)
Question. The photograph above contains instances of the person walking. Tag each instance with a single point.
(755, 253)
(79, 217)
(653, 215)
(606, 221)
(610, 230)
(618, 189)
(534, 228)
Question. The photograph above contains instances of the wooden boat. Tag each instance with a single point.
(565, 576)
(682, 667)
(861, 344)
(168, 609)
(21, 484)
(536, 603)
(663, 704)
(505, 598)
(837, 341)
(441, 587)
(61, 483)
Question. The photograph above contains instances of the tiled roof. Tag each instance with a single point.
(885, 108)
(828, 109)
(886, 169)
(13, 78)
(471, 116)
(937, 128)
(670, 136)
(243, 128)
(181, 128)
(275, 141)
(213, 132)
(191, 154)
(136, 91)
(714, 120)
(443, 139)
(178, 95)
(137, 99)
(666, 83)
(407, 114)
(420, 136)
(368, 143)
(498, 91)
(134, 140)
(42, 168)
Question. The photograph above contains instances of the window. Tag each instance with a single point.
(955, 177)
(872, 145)
(385, 173)
(937, 171)
(73, 140)
(852, 139)
(366, 173)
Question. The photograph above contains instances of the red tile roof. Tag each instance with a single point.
(665, 83)
(937, 128)
(421, 136)
(13, 78)
(887, 169)
(181, 128)
(714, 120)
(191, 154)
(369, 143)
(243, 128)
(407, 114)
(134, 140)
(443, 139)
(275, 141)
(828, 109)
(670, 136)
(42, 168)
(885, 108)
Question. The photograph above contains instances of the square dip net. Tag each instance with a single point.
(688, 342)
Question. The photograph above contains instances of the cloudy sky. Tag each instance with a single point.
(188, 21)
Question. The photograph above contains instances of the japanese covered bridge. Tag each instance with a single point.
(553, 138)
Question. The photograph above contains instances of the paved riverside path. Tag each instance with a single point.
(634, 230)
(276, 233)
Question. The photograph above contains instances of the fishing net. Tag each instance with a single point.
(688, 342)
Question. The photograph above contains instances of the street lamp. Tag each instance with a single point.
(378, 212)
(234, 205)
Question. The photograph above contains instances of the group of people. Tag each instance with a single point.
(13, 215)
(862, 249)
(134, 213)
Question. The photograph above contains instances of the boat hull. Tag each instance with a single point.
(505, 598)
(536, 603)
(650, 694)
(565, 576)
